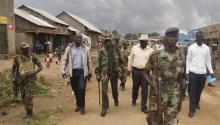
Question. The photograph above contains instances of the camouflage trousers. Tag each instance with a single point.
(123, 76)
(169, 103)
(114, 86)
(16, 89)
(27, 93)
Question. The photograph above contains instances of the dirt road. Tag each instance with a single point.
(125, 114)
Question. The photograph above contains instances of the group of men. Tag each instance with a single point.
(160, 72)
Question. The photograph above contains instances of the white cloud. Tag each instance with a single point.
(136, 15)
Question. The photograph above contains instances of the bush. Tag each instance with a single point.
(6, 91)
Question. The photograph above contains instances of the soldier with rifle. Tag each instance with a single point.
(25, 68)
(166, 72)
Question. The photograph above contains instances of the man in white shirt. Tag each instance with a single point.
(138, 59)
(198, 60)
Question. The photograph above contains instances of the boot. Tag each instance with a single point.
(103, 113)
(122, 86)
(28, 115)
(116, 102)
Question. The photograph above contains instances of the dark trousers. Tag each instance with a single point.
(139, 80)
(114, 86)
(196, 85)
(78, 84)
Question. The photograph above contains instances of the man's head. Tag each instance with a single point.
(199, 38)
(143, 41)
(25, 48)
(117, 39)
(71, 38)
(125, 44)
(107, 39)
(78, 39)
(171, 36)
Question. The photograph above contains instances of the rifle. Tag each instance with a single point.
(98, 77)
(158, 87)
(158, 93)
(99, 92)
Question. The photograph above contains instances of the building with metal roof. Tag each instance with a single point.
(82, 25)
(60, 34)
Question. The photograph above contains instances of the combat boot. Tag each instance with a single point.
(28, 115)
(103, 113)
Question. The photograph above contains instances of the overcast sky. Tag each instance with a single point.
(136, 16)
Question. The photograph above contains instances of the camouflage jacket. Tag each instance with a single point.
(24, 67)
(170, 67)
(124, 56)
(109, 60)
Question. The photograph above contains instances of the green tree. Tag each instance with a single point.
(154, 34)
(131, 36)
(115, 33)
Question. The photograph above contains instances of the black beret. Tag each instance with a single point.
(172, 32)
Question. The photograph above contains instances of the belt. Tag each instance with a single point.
(137, 69)
(78, 69)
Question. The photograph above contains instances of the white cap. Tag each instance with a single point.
(144, 38)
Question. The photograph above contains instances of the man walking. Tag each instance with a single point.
(197, 62)
(166, 74)
(77, 65)
(108, 62)
(123, 68)
(25, 67)
(138, 58)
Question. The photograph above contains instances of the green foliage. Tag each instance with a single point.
(154, 34)
(115, 33)
(6, 91)
(45, 117)
(131, 36)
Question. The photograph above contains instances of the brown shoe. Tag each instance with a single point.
(191, 114)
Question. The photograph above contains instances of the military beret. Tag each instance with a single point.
(24, 45)
(172, 32)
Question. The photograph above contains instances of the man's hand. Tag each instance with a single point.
(64, 75)
(98, 80)
(212, 75)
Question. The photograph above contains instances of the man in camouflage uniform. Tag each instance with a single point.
(166, 67)
(28, 66)
(123, 70)
(108, 62)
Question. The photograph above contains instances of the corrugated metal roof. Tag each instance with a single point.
(73, 29)
(32, 18)
(84, 22)
(47, 15)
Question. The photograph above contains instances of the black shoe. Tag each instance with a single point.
(198, 107)
(4, 113)
(191, 114)
(116, 102)
(82, 111)
(144, 110)
(211, 85)
(133, 103)
(103, 113)
(77, 109)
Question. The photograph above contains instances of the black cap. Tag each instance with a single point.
(172, 32)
